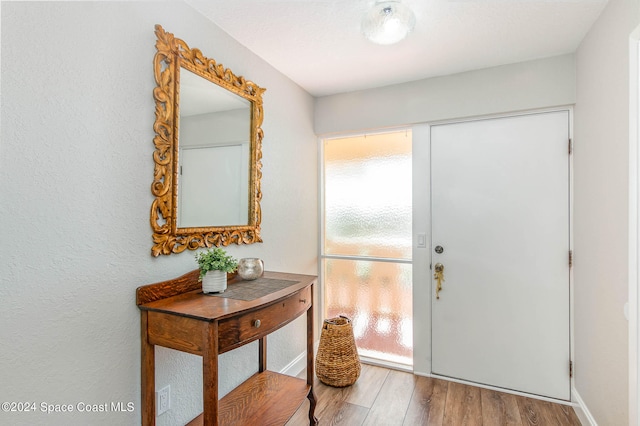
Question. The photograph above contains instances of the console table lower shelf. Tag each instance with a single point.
(177, 315)
(266, 398)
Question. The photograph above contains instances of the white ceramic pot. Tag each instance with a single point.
(214, 282)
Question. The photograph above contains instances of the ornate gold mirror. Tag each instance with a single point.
(208, 151)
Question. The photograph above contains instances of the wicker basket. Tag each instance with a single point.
(337, 361)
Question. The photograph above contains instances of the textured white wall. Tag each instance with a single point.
(75, 175)
(522, 86)
(601, 159)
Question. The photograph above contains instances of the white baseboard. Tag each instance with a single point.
(296, 366)
(582, 411)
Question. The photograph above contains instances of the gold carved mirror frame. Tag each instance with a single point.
(172, 55)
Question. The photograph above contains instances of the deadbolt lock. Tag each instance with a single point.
(439, 249)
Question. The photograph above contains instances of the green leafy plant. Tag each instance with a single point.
(215, 259)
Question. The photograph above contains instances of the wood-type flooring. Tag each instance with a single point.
(384, 397)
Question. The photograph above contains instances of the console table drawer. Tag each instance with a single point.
(239, 330)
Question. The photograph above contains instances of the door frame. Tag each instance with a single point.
(422, 286)
(634, 226)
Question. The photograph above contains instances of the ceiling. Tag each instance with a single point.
(318, 43)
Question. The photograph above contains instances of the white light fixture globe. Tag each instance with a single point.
(388, 22)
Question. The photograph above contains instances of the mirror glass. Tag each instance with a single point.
(214, 142)
(208, 151)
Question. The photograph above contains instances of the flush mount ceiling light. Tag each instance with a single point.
(388, 22)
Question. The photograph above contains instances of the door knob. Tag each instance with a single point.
(439, 249)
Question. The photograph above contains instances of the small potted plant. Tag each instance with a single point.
(214, 265)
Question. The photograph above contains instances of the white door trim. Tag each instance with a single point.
(634, 224)
(421, 224)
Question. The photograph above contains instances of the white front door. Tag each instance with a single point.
(500, 213)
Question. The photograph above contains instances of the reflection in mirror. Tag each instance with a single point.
(208, 152)
(213, 181)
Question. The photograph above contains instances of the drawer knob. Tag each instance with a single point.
(303, 300)
(257, 323)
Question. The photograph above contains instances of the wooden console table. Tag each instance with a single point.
(175, 314)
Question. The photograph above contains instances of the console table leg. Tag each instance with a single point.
(210, 374)
(147, 363)
(262, 354)
(312, 408)
(310, 374)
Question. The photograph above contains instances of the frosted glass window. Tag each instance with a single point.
(377, 297)
(367, 241)
(367, 195)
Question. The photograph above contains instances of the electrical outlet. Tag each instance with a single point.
(163, 400)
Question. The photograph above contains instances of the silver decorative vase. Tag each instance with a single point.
(250, 268)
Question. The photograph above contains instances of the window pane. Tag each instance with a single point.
(377, 297)
(368, 195)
